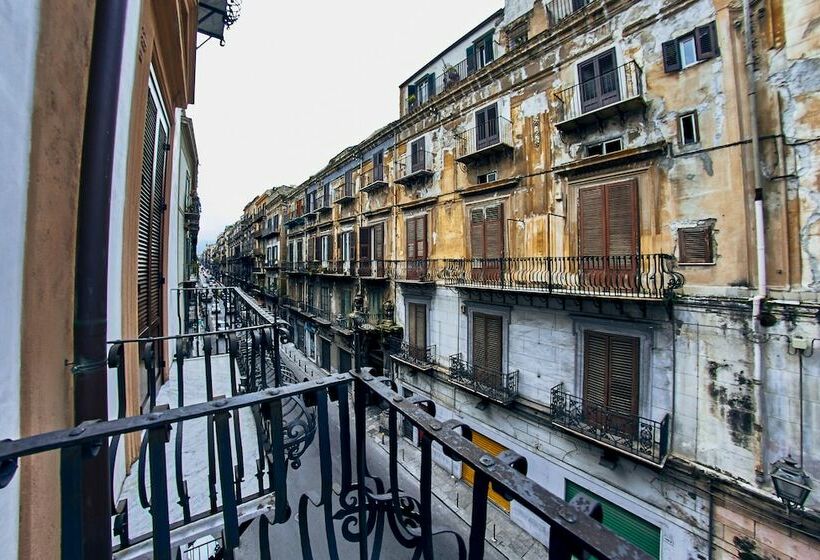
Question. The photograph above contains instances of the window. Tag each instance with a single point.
(417, 155)
(325, 248)
(486, 127)
(275, 254)
(684, 51)
(324, 302)
(603, 148)
(416, 234)
(487, 242)
(487, 347)
(487, 177)
(480, 53)
(371, 248)
(611, 365)
(378, 166)
(598, 78)
(346, 246)
(346, 304)
(607, 216)
(417, 328)
(688, 132)
(695, 245)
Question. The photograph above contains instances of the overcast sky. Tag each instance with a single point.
(297, 82)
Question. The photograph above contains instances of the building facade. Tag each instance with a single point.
(591, 236)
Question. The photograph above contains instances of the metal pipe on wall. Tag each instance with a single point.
(760, 236)
(91, 269)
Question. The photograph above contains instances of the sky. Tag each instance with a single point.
(297, 82)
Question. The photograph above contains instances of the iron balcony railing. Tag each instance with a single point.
(317, 312)
(342, 321)
(422, 357)
(344, 190)
(600, 95)
(633, 276)
(374, 268)
(272, 265)
(375, 178)
(296, 267)
(418, 270)
(633, 435)
(558, 10)
(446, 80)
(490, 137)
(324, 203)
(359, 508)
(498, 386)
(414, 168)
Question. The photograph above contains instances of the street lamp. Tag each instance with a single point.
(791, 483)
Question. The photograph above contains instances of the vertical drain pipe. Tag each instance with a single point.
(760, 235)
(91, 268)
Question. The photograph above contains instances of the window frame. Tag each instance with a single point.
(504, 314)
(695, 129)
(708, 232)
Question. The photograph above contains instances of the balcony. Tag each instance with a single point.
(632, 276)
(295, 267)
(375, 179)
(373, 269)
(344, 191)
(317, 313)
(294, 218)
(558, 10)
(496, 386)
(449, 78)
(635, 436)
(422, 358)
(272, 265)
(250, 448)
(617, 92)
(418, 271)
(324, 203)
(416, 169)
(492, 138)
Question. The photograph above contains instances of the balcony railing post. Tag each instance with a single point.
(360, 403)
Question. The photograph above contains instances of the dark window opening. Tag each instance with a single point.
(691, 48)
(487, 177)
(688, 128)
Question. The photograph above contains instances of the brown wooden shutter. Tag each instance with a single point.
(695, 245)
(364, 244)
(591, 221)
(421, 237)
(144, 222)
(352, 245)
(706, 45)
(479, 340)
(671, 56)
(623, 374)
(339, 247)
(622, 219)
(157, 214)
(410, 235)
(596, 349)
(494, 232)
(487, 344)
(477, 233)
(421, 326)
(411, 324)
(378, 242)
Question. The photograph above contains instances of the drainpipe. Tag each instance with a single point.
(760, 234)
(91, 269)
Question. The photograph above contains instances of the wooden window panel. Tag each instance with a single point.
(364, 251)
(378, 248)
(695, 245)
(611, 371)
(487, 348)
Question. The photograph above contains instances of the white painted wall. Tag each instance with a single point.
(19, 31)
(117, 215)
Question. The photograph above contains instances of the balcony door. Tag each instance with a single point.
(598, 79)
(486, 127)
(417, 155)
(416, 233)
(378, 166)
(487, 351)
(611, 367)
(608, 224)
(487, 243)
(417, 331)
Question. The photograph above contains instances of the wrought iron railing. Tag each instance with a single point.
(344, 190)
(421, 356)
(450, 76)
(635, 276)
(317, 312)
(374, 268)
(496, 385)
(419, 270)
(603, 90)
(492, 134)
(560, 9)
(296, 267)
(365, 509)
(637, 436)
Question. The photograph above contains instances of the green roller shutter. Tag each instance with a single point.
(641, 533)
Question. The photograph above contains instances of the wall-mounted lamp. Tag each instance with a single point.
(791, 483)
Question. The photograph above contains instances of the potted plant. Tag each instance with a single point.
(450, 75)
(411, 101)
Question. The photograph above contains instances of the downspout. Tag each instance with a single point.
(91, 271)
(760, 235)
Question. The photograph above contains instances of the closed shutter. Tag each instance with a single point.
(477, 235)
(311, 249)
(706, 45)
(431, 85)
(471, 62)
(378, 247)
(468, 474)
(591, 221)
(626, 524)
(417, 155)
(364, 252)
(611, 368)
(695, 245)
(621, 209)
(488, 48)
(144, 223)
(378, 166)
(417, 336)
(494, 232)
(487, 347)
(486, 121)
(671, 56)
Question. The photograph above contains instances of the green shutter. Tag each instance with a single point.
(431, 85)
(641, 533)
(471, 59)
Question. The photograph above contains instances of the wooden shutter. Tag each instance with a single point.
(364, 251)
(479, 340)
(144, 222)
(671, 56)
(471, 62)
(431, 85)
(591, 221)
(488, 48)
(378, 166)
(421, 237)
(487, 346)
(417, 155)
(621, 219)
(340, 247)
(596, 350)
(695, 245)
(378, 242)
(623, 374)
(493, 232)
(417, 325)
(706, 41)
(477, 234)
(410, 237)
